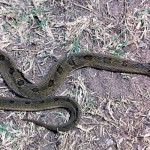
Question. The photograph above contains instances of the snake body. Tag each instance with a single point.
(37, 97)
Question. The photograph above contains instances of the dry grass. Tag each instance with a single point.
(115, 108)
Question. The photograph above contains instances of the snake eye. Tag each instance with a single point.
(20, 82)
(2, 57)
(51, 83)
(88, 57)
(11, 70)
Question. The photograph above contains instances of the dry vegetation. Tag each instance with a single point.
(115, 107)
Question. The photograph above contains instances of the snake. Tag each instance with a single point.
(41, 96)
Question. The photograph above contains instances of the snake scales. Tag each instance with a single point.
(36, 97)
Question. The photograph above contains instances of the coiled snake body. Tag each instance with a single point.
(36, 97)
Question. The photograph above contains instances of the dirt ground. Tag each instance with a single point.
(115, 107)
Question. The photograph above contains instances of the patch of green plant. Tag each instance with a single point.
(148, 10)
(36, 11)
(3, 128)
(28, 16)
(75, 46)
(5, 27)
(117, 50)
(15, 22)
(61, 115)
(76, 91)
(89, 103)
(23, 16)
(28, 35)
(43, 22)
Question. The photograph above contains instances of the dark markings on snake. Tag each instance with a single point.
(11, 70)
(11, 101)
(71, 61)
(88, 57)
(56, 99)
(2, 57)
(124, 63)
(59, 69)
(27, 102)
(107, 60)
(35, 90)
(141, 66)
(51, 83)
(36, 100)
(42, 101)
(20, 82)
